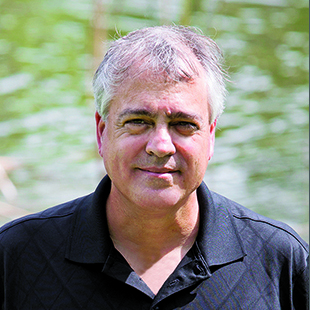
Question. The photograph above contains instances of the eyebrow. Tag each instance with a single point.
(172, 116)
(185, 115)
(138, 112)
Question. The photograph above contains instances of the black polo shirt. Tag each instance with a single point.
(63, 258)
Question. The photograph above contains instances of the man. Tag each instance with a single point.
(152, 236)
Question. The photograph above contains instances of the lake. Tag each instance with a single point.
(49, 51)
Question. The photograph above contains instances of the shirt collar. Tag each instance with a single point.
(90, 243)
(218, 238)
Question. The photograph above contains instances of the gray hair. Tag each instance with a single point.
(161, 49)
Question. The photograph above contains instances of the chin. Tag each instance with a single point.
(160, 198)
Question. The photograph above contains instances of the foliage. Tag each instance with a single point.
(50, 49)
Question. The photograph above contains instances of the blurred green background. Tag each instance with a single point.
(49, 50)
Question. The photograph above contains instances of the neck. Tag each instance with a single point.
(153, 241)
(151, 231)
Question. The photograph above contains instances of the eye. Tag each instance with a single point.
(186, 128)
(137, 125)
(136, 122)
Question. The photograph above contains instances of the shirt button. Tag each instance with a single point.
(198, 269)
(174, 282)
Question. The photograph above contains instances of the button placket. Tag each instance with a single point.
(198, 270)
(174, 282)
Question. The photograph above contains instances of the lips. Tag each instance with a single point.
(157, 170)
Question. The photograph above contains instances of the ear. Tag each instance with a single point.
(212, 139)
(100, 126)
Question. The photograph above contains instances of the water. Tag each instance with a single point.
(49, 51)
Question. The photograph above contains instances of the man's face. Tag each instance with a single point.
(156, 142)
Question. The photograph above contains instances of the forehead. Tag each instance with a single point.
(157, 92)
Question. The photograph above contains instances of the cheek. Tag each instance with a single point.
(120, 152)
(109, 151)
(196, 154)
(195, 149)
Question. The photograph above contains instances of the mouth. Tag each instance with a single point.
(158, 171)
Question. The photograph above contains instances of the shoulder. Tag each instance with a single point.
(43, 224)
(276, 257)
(260, 232)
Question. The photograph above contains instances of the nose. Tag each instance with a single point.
(160, 143)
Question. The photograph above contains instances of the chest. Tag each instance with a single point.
(155, 275)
